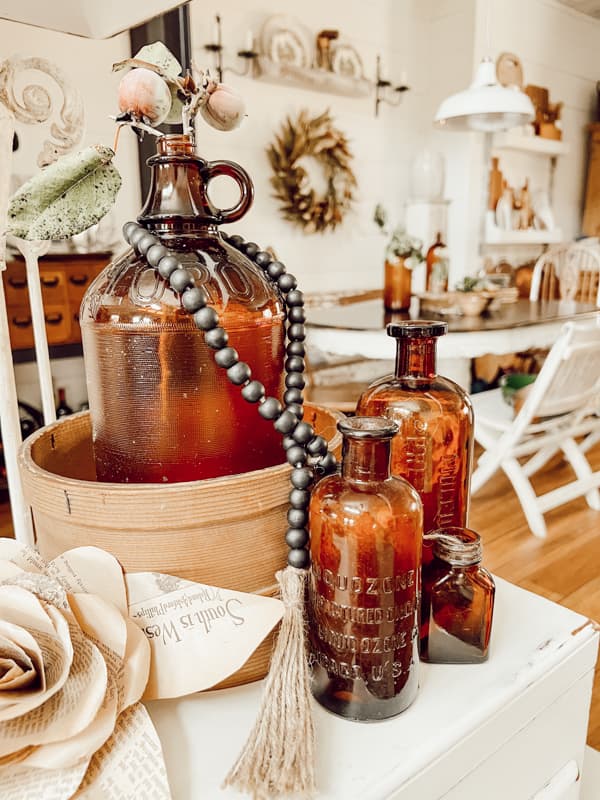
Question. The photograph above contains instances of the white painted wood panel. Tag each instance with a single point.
(532, 763)
(590, 784)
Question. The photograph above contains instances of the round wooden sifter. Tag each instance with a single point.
(186, 529)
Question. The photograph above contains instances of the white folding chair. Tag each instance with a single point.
(570, 271)
(558, 408)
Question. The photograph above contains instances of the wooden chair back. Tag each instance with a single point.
(568, 272)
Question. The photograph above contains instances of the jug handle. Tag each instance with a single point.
(244, 182)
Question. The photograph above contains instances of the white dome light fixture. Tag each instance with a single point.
(486, 105)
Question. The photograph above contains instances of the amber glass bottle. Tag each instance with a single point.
(436, 265)
(161, 409)
(397, 285)
(434, 447)
(461, 596)
(365, 540)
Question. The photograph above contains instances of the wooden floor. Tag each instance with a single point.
(564, 568)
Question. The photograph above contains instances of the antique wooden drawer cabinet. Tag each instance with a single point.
(64, 279)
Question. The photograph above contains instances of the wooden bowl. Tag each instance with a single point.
(472, 304)
(226, 532)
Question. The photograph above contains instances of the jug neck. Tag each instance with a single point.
(178, 201)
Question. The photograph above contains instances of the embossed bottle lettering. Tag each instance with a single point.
(366, 530)
(416, 453)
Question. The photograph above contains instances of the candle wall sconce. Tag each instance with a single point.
(288, 54)
(385, 92)
(216, 47)
(248, 53)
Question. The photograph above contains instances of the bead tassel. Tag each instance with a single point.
(278, 758)
(279, 755)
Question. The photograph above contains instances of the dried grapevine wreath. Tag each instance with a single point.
(300, 203)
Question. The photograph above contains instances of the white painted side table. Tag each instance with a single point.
(513, 728)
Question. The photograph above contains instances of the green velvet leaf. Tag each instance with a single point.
(161, 57)
(67, 197)
(174, 115)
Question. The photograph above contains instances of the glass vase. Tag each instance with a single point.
(162, 410)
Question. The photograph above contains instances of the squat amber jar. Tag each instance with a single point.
(366, 538)
(461, 596)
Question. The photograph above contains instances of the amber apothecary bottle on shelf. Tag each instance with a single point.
(461, 599)
(434, 448)
(63, 409)
(436, 267)
(365, 540)
(161, 409)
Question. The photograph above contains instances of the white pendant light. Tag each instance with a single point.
(485, 105)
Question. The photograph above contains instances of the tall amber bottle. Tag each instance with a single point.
(433, 450)
(365, 540)
(161, 409)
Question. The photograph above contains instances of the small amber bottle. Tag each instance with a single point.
(461, 599)
(436, 264)
(366, 537)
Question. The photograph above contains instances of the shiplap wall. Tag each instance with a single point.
(437, 42)
(352, 256)
(560, 49)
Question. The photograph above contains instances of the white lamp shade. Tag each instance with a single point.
(88, 18)
(485, 105)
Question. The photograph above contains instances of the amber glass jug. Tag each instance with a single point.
(161, 410)
(365, 545)
(434, 447)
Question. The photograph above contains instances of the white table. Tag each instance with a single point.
(358, 329)
(512, 728)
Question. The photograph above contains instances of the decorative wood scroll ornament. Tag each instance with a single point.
(315, 138)
(34, 104)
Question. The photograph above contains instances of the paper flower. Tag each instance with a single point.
(81, 642)
(71, 662)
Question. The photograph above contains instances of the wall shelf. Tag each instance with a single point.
(496, 235)
(314, 79)
(509, 140)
